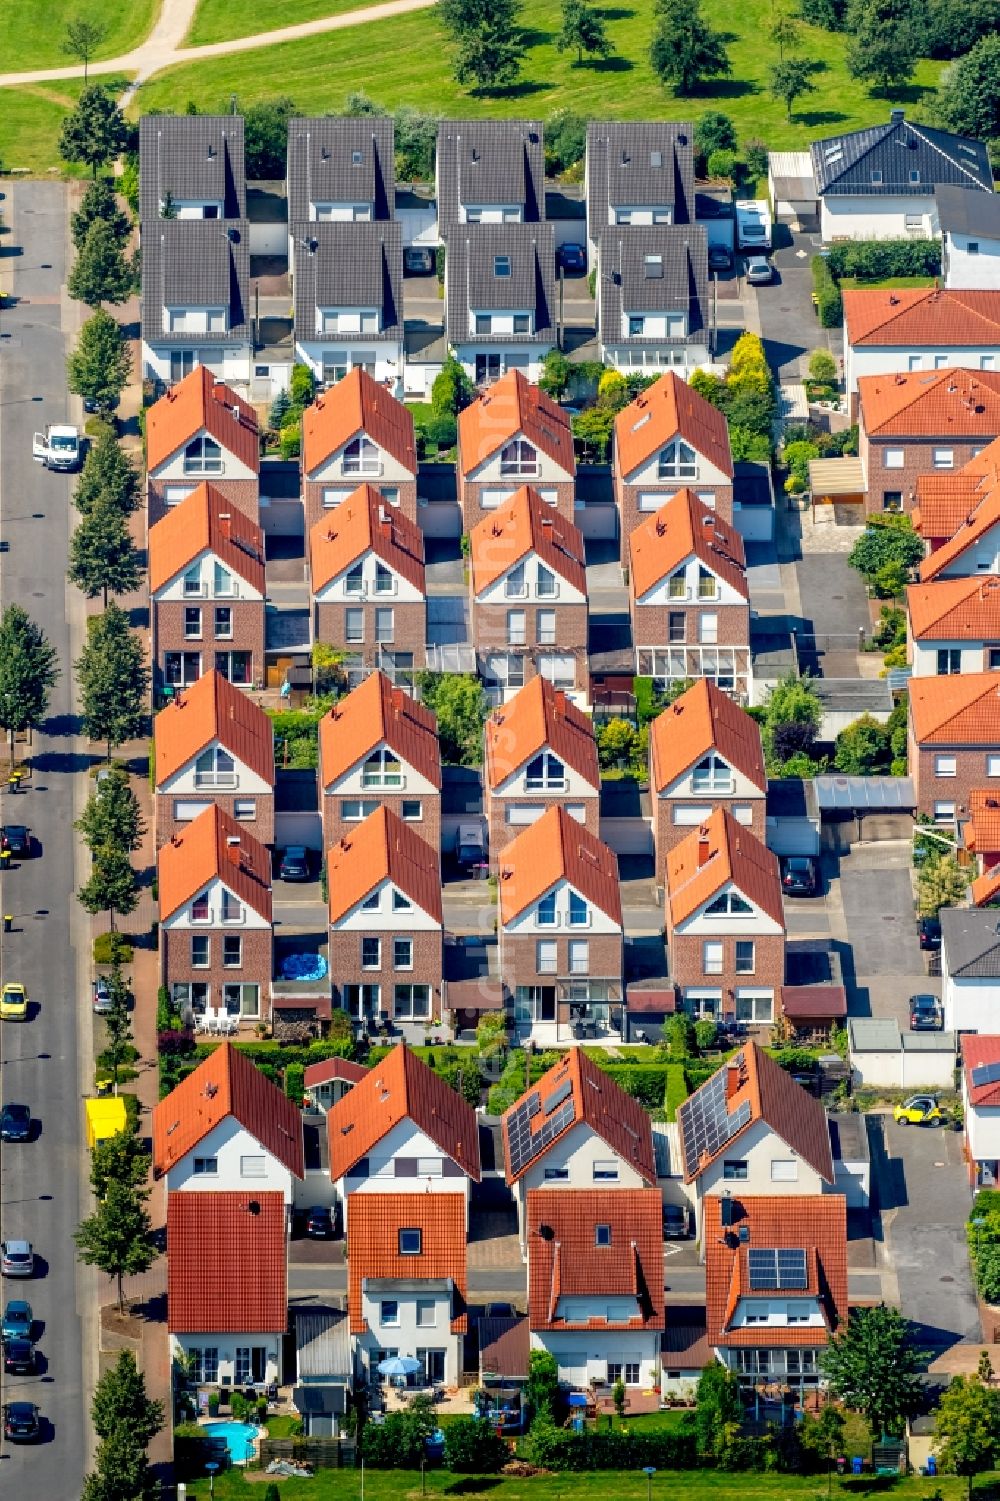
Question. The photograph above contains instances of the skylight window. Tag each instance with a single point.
(653, 265)
(501, 265)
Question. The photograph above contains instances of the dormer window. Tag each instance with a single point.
(215, 767)
(382, 769)
(194, 320)
(519, 458)
(203, 456)
(501, 265)
(914, 176)
(656, 158)
(361, 456)
(678, 461)
(652, 267)
(545, 773)
(349, 321)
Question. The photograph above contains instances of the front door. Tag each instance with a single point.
(488, 369)
(181, 364)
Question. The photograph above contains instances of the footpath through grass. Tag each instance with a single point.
(31, 35)
(220, 20)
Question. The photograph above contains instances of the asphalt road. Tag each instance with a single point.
(44, 1063)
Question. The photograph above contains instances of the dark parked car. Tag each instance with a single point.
(18, 840)
(17, 1320)
(929, 933)
(320, 1223)
(19, 1356)
(675, 1222)
(925, 1013)
(21, 1424)
(294, 864)
(799, 875)
(15, 1123)
(719, 258)
(572, 258)
(418, 260)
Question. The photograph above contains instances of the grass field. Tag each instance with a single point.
(218, 21)
(32, 37)
(30, 121)
(406, 61)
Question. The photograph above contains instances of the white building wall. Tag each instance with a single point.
(404, 1140)
(527, 921)
(873, 218)
(172, 467)
(565, 593)
(654, 359)
(659, 594)
(336, 591)
(388, 355)
(351, 783)
(905, 1070)
(982, 1130)
(923, 661)
(185, 782)
(231, 362)
(215, 890)
(576, 786)
(242, 1164)
(979, 272)
(759, 1147)
(710, 925)
(206, 564)
(548, 473)
(970, 1005)
(226, 1345)
(332, 467)
(577, 1152)
(981, 557)
(527, 358)
(583, 1355)
(648, 472)
(383, 919)
(887, 360)
(740, 786)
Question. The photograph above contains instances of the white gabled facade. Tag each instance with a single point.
(373, 588)
(229, 1157)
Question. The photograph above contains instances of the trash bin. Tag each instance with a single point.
(857, 1464)
(931, 1464)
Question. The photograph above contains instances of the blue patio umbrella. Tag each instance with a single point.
(400, 1365)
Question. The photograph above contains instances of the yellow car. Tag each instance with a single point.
(13, 1003)
(918, 1110)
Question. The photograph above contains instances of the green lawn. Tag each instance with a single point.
(413, 68)
(30, 121)
(32, 37)
(217, 21)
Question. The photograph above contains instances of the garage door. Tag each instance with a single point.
(792, 836)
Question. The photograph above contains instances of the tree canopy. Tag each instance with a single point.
(95, 132)
(685, 50)
(100, 272)
(873, 1367)
(100, 201)
(28, 671)
(113, 679)
(789, 79)
(103, 559)
(265, 136)
(459, 702)
(108, 475)
(583, 30)
(118, 1237)
(111, 814)
(98, 368)
(969, 95)
(968, 1427)
(884, 41)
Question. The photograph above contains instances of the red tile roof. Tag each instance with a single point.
(226, 1268)
(401, 1087)
(334, 1068)
(599, 1102)
(814, 1223)
(513, 405)
(376, 712)
(961, 709)
(753, 1078)
(226, 1084)
(985, 889)
(205, 522)
(383, 848)
(684, 527)
(564, 1260)
(943, 501)
(213, 709)
(965, 609)
(931, 404)
(983, 516)
(365, 523)
(665, 410)
(557, 848)
(540, 716)
(982, 831)
(357, 404)
(214, 846)
(913, 316)
(197, 402)
(374, 1221)
(978, 1050)
(720, 851)
(702, 720)
(526, 524)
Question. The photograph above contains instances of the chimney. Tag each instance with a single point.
(708, 522)
(897, 116)
(704, 847)
(733, 1078)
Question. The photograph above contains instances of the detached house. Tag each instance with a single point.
(725, 923)
(378, 747)
(366, 565)
(213, 746)
(489, 172)
(969, 221)
(216, 939)
(652, 301)
(386, 929)
(540, 750)
(638, 173)
(500, 298)
(879, 183)
(529, 596)
(576, 1129)
(981, 1107)
(954, 625)
(668, 439)
(688, 597)
(704, 753)
(919, 328)
(357, 433)
(349, 300)
(561, 932)
(201, 430)
(341, 169)
(954, 732)
(226, 1127)
(514, 434)
(207, 587)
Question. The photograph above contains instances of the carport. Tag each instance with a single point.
(881, 807)
(792, 188)
(836, 482)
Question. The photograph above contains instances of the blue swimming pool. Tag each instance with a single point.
(237, 1437)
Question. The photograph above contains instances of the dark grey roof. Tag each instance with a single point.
(192, 156)
(353, 265)
(471, 282)
(195, 263)
(625, 287)
(967, 211)
(636, 163)
(490, 162)
(844, 164)
(322, 169)
(323, 1343)
(970, 941)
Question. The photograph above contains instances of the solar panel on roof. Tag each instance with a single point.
(558, 1096)
(986, 1073)
(706, 1122)
(524, 1144)
(770, 1269)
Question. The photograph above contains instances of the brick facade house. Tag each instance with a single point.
(356, 433)
(947, 498)
(953, 741)
(201, 430)
(512, 435)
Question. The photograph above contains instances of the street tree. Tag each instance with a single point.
(108, 477)
(82, 40)
(873, 1367)
(111, 885)
(98, 368)
(27, 672)
(113, 679)
(789, 80)
(100, 202)
(118, 1237)
(968, 1428)
(95, 132)
(118, 1020)
(119, 1159)
(111, 814)
(103, 559)
(121, 1403)
(941, 882)
(685, 50)
(969, 95)
(121, 1472)
(100, 272)
(583, 30)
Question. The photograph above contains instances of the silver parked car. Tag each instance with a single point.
(17, 1258)
(759, 270)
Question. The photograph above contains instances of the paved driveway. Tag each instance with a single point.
(878, 910)
(788, 324)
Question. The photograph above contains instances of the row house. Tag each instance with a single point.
(366, 566)
(216, 938)
(705, 752)
(668, 439)
(199, 431)
(981, 1107)
(575, 1129)
(980, 834)
(489, 172)
(970, 970)
(195, 248)
(954, 625)
(386, 926)
(213, 746)
(725, 923)
(500, 298)
(357, 433)
(689, 600)
(652, 299)
(207, 588)
(341, 169)
(378, 748)
(973, 551)
(513, 435)
(561, 932)
(349, 300)
(898, 331)
(638, 173)
(540, 750)
(945, 501)
(969, 221)
(914, 424)
(953, 742)
(528, 585)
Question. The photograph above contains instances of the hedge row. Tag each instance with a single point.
(829, 304)
(878, 260)
(281, 1055)
(618, 1450)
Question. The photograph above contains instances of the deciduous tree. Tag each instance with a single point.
(100, 202)
(969, 95)
(98, 368)
(968, 1428)
(111, 814)
(118, 1237)
(121, 1403)
(111, 885)
(941, 882)
(459, 702)
(95, 132)
(583, 30)
(788, 80)
(113, 679)
(27, 672)
(82, 40)
(884, 41)
(864, 748)
(100, 272)
(873, 1367)
(685, 50)
(103, 559)
(108, 477)
(265, 136)
(120, 1159)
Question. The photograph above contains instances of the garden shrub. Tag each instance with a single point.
(878, 260)
(295, 1084)
(555, 1449)
(473, 1447)
(829, 305)
(676, 1091)
(109, 947)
